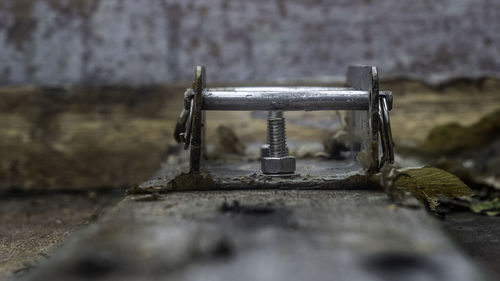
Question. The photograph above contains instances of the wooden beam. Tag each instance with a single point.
(261, 235)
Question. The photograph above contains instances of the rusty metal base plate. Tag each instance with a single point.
(245, 174)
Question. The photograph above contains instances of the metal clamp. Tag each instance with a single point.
(368, 122)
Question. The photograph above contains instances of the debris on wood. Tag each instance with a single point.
(192, 181)
(386, 180)
(228, 142)
(136, 190)
(490, 208)
(155, 196)
(472, 153)
(335, 143)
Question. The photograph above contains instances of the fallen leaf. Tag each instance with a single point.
(427, 184)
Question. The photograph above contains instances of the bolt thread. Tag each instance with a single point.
(276, 131)
(273, 114)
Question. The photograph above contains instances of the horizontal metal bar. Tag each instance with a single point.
(279, 89)
(284, 98)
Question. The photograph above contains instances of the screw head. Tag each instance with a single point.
(278, 165)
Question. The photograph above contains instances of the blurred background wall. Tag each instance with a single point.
(138, 42)
(90, 89)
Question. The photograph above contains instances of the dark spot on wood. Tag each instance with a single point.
(95, 265)
(223, 249)
(236, 208)
(398, 265)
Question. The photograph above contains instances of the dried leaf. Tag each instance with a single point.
(427, 184)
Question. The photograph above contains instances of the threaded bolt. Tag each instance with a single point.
(264, 149)
(277, 161)
(276, 132)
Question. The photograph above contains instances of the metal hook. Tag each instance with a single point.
(385, 132)
(182, 133)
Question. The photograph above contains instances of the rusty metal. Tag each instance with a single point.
(198, 130)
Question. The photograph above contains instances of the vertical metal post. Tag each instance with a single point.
(197, 137)
(363, 126)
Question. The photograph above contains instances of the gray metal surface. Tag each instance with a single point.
(285, 98)
(362, 126)
(278, 165)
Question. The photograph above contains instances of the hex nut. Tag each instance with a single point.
(278, 165)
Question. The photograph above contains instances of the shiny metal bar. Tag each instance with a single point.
(284, 98)
(279, 89)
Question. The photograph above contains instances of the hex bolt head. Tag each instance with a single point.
(278, 165)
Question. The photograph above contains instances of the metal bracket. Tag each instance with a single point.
(368, 115)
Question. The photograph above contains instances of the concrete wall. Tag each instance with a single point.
(156, 41)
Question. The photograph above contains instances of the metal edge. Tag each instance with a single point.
(365, 78)
(197, 139)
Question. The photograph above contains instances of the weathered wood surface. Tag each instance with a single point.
(79, 138)
(261, 235)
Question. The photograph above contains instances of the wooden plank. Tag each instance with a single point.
(261, 235)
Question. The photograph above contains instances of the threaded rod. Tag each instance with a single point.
(276, 131)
